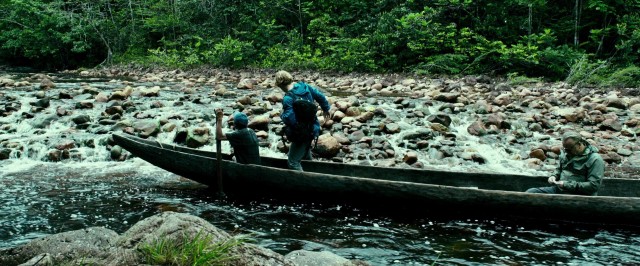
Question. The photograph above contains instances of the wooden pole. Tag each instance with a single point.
(219, 163)
(219, 137)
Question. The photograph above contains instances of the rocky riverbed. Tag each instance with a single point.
(384, 120)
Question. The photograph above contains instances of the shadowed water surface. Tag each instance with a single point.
(47, 198)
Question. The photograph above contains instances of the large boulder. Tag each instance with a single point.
(90, 246)
(327, 146)
(179, 227)
(102, 246)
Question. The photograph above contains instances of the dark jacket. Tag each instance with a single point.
(582, 174)
(245, 146)
(307, 91)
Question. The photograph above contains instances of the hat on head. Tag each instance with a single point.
(240, 120)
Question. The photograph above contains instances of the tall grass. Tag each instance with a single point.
(197, 251)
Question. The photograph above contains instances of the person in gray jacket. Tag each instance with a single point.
(580, 170)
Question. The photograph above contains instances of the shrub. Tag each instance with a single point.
(231, 52)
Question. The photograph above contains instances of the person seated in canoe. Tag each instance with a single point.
(243, 140)
(580, 169)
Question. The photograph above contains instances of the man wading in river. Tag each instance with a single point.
(580, 170)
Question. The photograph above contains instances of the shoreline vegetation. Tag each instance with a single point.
(591, 44)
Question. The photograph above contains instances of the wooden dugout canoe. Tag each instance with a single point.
(416, 190)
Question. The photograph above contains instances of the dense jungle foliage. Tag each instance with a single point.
(581, 41)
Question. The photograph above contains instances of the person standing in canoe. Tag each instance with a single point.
(580, 169)
(243, 140)
(299, 116)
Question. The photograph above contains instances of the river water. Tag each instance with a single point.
(39, 198)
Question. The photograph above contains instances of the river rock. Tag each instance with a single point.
(611, 124)
(342, 105)
(150, 92)
(118, 95)
(440, 128)
(443, 119)
(356, 136)
(5, 154)
(325, 258)
(146, 128)
(338, 115)
(327, 146)
(116, 152)
(612, 157)
(538, 154)
(90, 246)
(260, 122)
(65, 144)
(46, 83)
(447, 97)
(86, 104)
(482, 107)
(6, 82)
(245, 100)
(365, 117)
(616, 103)
(101, 97)
(169, 127)
(61, 111)
(43, 103)
(502, 99)
(81, 119)
(112, 110)
(477, 129)
(625, 152)
(246, 84)
(198, 137)
(353, 111)
(410, 157)
(391, 128)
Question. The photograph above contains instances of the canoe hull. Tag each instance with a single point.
(411, 190)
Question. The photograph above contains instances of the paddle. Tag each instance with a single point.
(219, 162)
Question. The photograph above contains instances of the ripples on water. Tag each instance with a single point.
(50, 198)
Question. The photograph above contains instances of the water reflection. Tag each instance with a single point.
(52, 198)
